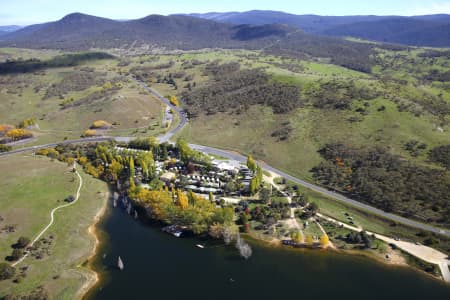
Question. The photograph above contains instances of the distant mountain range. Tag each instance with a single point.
(226, 30)
(80, 31)
(429, 30)
(179, 32)
(8, 29)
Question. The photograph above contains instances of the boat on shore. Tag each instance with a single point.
(200, 246)
(174, 230)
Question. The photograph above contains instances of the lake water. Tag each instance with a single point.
(159, 266)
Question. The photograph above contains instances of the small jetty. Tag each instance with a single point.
(120, 264)
(291, 243)
(174, 230)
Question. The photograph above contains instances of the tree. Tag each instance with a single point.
(82, 160)
(324, 240)
(173, 99)
(16, 254)
(251, 164)
(313, 208)
(131, 167)
(264, 195)
(115, 168)
(216, 230)
(182, 200)
(18, 134)
(132, 184)
(243, 218)
(6, 271)
(211, 197)
(259, 174)
(90, 133)
(70, 161)
(309, 239)
(253, 185)
(22, 242)
(100, 124)
(231, 187)
(297, 236)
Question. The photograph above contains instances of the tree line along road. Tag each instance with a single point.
(241, 158)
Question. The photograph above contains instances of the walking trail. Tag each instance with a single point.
(52, 218)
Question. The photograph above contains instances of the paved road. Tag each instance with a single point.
(239, 157)
(336, 196)
(67, 142)
(168, 135)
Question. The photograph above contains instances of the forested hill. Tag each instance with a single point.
(79, 31)
(82, 32)
(429, 30)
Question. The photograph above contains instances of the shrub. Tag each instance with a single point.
(90, 133)
(5, 128)
(5, 148)
(27, 122)
(100, 124)
(16, 254)
(22, 242)
(6, 271)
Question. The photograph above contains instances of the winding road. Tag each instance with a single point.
(241, 158)
(52, 218)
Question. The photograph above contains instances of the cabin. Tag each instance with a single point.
(167, 177)
(224, 166)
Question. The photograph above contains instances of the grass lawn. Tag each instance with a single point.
(23, 96)
(31, 187)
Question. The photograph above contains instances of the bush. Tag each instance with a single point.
(22, 242)
(100, 124)
(18, 134)
(441, 155)
(90, 133)
(6, 271)
(5, 148)
(16, 254)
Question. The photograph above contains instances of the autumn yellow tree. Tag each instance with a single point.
(115, 168)
(100, 124)
(324, 240)
(70, 161)
(174, 101)
(5, 127)
(90, 133)
(297, 236)
(182, 200)
(18, 134)
(251, 164)
(82, 160)
(309, 239)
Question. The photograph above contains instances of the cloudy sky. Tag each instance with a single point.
(24, 12)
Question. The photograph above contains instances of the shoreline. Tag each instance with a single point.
(93, 277)
(402, 263)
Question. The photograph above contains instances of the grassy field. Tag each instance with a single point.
(84, 92)
(31, 187)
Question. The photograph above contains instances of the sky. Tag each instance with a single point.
(25, 12)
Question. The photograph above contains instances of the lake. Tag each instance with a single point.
(159, 266)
